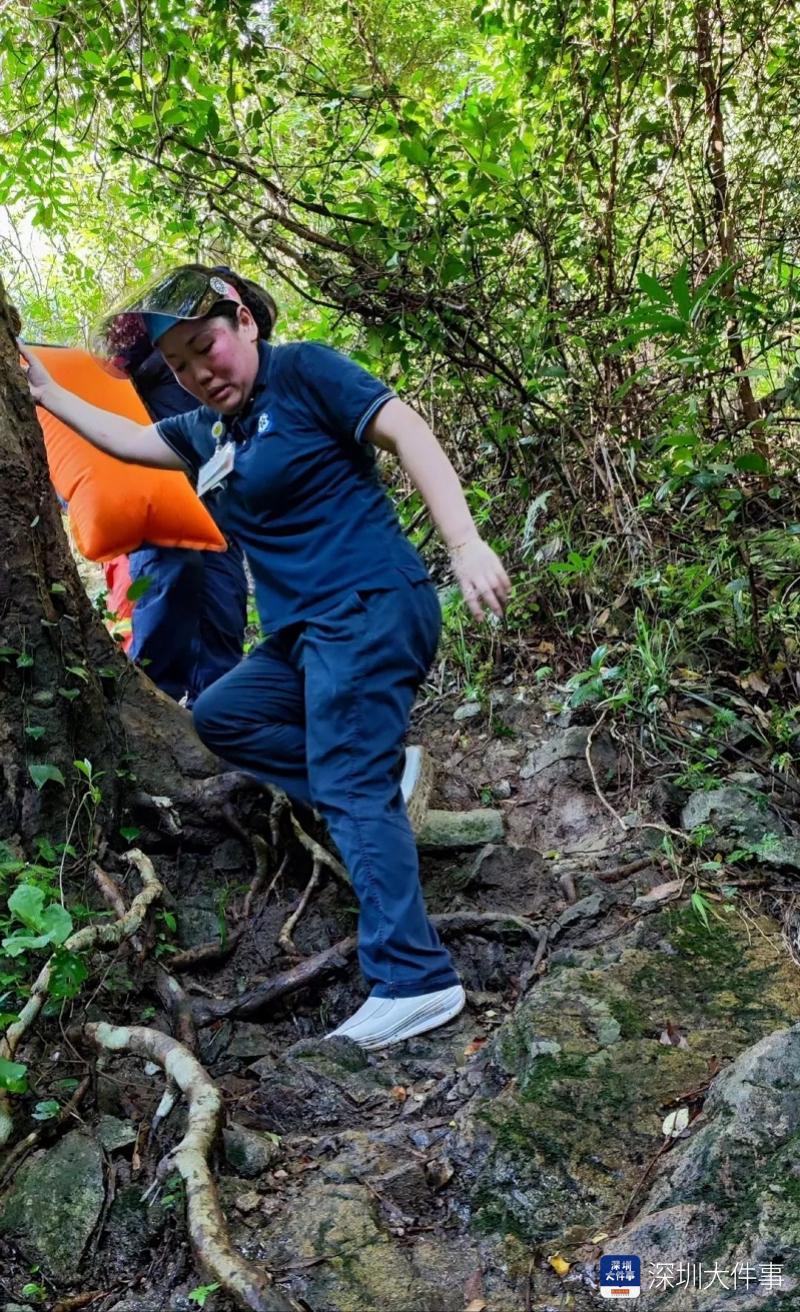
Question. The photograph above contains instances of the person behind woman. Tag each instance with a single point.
(283, 450)
(187, 627)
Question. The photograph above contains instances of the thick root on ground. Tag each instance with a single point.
(249, 1285)
(92, 936)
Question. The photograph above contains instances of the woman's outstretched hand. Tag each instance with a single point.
(481, 577)
(39, 380)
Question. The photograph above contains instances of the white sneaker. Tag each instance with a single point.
(412, 772)
(381, 1021)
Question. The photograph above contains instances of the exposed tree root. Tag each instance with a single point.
(206, 954)
(308, 971)
(92, 936)
(285, 939)
(317, 852)
(261, 854)
(250, 1286)
(177, 1003)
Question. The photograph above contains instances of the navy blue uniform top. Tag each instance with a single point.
(304, 498)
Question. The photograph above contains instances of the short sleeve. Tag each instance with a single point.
(343, 396)
(176, 430)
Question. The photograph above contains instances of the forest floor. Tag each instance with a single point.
(486, 1166)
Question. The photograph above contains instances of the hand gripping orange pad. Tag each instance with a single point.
(115, 506)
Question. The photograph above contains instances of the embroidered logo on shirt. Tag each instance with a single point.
(217, 430)
(264, 421)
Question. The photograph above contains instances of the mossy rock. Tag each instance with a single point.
(585, 1080)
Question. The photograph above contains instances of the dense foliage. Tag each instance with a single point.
(565, 230)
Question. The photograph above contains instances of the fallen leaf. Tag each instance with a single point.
(475, 1046)
(473, 1290)
(558, 1264)
(598, 1239)
(675, 1123)
(661, 893)
(399, 1093)
(671, 1037)
(756, 683)
(477, 1305)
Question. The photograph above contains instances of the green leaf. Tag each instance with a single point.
(79, 671)
(67, 973)
(46, 1110)
(13, 1076)
(130, 833)
(27, 904)
(139, 588)
(18, 942)
(681, 292)
(752, 462)
(24, 660)
(57, 588)
(654, 289)
(42, 774)
(34, 731)
(56, 923)
(201, 1293)
(700, 906)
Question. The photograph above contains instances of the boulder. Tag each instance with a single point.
(54, 1205)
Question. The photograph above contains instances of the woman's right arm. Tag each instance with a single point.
(138, 444)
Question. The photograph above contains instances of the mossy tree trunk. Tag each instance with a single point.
(66, 692)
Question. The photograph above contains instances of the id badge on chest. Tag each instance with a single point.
(214, 472)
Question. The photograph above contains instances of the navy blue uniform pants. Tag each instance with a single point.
(188, 627)
(321, 710)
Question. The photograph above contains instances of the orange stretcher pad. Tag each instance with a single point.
(113, 506)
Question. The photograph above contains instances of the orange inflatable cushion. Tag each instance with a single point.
(113, 506)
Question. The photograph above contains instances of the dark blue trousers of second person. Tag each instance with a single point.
(321, 710)
(188, 626)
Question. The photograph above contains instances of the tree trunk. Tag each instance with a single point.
(66, 692)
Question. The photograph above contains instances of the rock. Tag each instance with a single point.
(586, 908)
(130, 1227)
(249, 1152)
(564, 753)
(54, 1204)
(361, 1271)
(501, 790)
(16, 1307)
(249, 1041)
(452, 829)
(248, 1202)
(198, 922)
(405, 1186)
(114, 1133)
(732, 813)
(467, 711)
(729, 1193)
(573, 1084)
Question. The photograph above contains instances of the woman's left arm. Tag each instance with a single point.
(481, 577)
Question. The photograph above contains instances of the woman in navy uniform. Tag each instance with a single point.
(282, 449)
